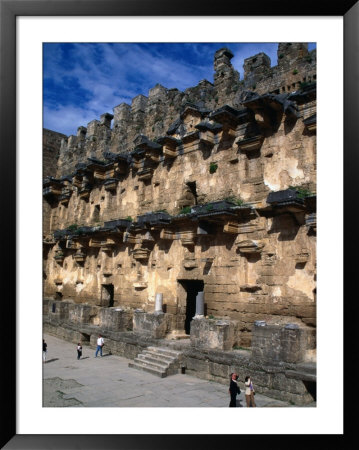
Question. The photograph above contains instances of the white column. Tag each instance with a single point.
(158, 302)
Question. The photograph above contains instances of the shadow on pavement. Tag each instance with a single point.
(51, 360)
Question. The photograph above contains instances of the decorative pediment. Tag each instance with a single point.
(288, 199)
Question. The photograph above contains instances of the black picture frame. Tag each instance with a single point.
(9, 10)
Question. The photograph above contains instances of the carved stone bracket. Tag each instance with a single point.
(311, 221)
(141, 253)
(302, 256)
(145, 174)
(79, 256)
(249, 246)
(250, 144)
(188, 237)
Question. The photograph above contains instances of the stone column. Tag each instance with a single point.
(200, 304)
(158, 302)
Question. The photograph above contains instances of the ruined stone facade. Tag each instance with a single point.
(208, 190)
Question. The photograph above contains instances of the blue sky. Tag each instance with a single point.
(81, 81)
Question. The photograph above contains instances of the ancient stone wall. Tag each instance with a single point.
(51, 143)
(213, 186)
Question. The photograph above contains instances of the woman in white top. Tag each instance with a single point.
(249, 392)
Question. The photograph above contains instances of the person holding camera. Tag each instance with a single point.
(233, 390)
(249, 392)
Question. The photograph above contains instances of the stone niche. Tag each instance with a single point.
(281, 343)
(154, 325)
(115, 319)
(212, 334)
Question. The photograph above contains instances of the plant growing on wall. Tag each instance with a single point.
(72, 227)
(213, 167)
(185, 210)
(301, 192)
(235, 200)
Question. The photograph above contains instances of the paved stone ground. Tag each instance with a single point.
(108, 381)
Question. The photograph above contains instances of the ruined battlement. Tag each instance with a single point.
(153, 115)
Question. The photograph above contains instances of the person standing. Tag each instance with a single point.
(233, 390)
(79, 350)
(44, 350)
(100, 344)
(249, 392)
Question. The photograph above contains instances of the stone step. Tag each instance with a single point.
(158, 361)
(145, 368)
(156, 358)
(165, 351)
(159, 355)
(156, 364)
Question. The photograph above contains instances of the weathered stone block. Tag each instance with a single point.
(215, 334)
(115, 319)
(80, 313)
(276, 343)
(59, 310)
(197, 365)
(150, 324)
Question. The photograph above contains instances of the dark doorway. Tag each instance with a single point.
(193, 188)
(85, 339)
(107, 295)
(192, 288)
(311, 387)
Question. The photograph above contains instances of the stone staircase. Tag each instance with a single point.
(159, 361)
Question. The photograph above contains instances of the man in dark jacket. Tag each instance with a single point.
(233, 389)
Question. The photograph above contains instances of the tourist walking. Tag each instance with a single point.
(100, 344)
(44, 350)
(233, 390)
(79, 350)
(249, 392)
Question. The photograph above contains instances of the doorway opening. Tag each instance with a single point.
(193, 188)
(107, 295)
(311, 387)
(192, 287)
(85, 339)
